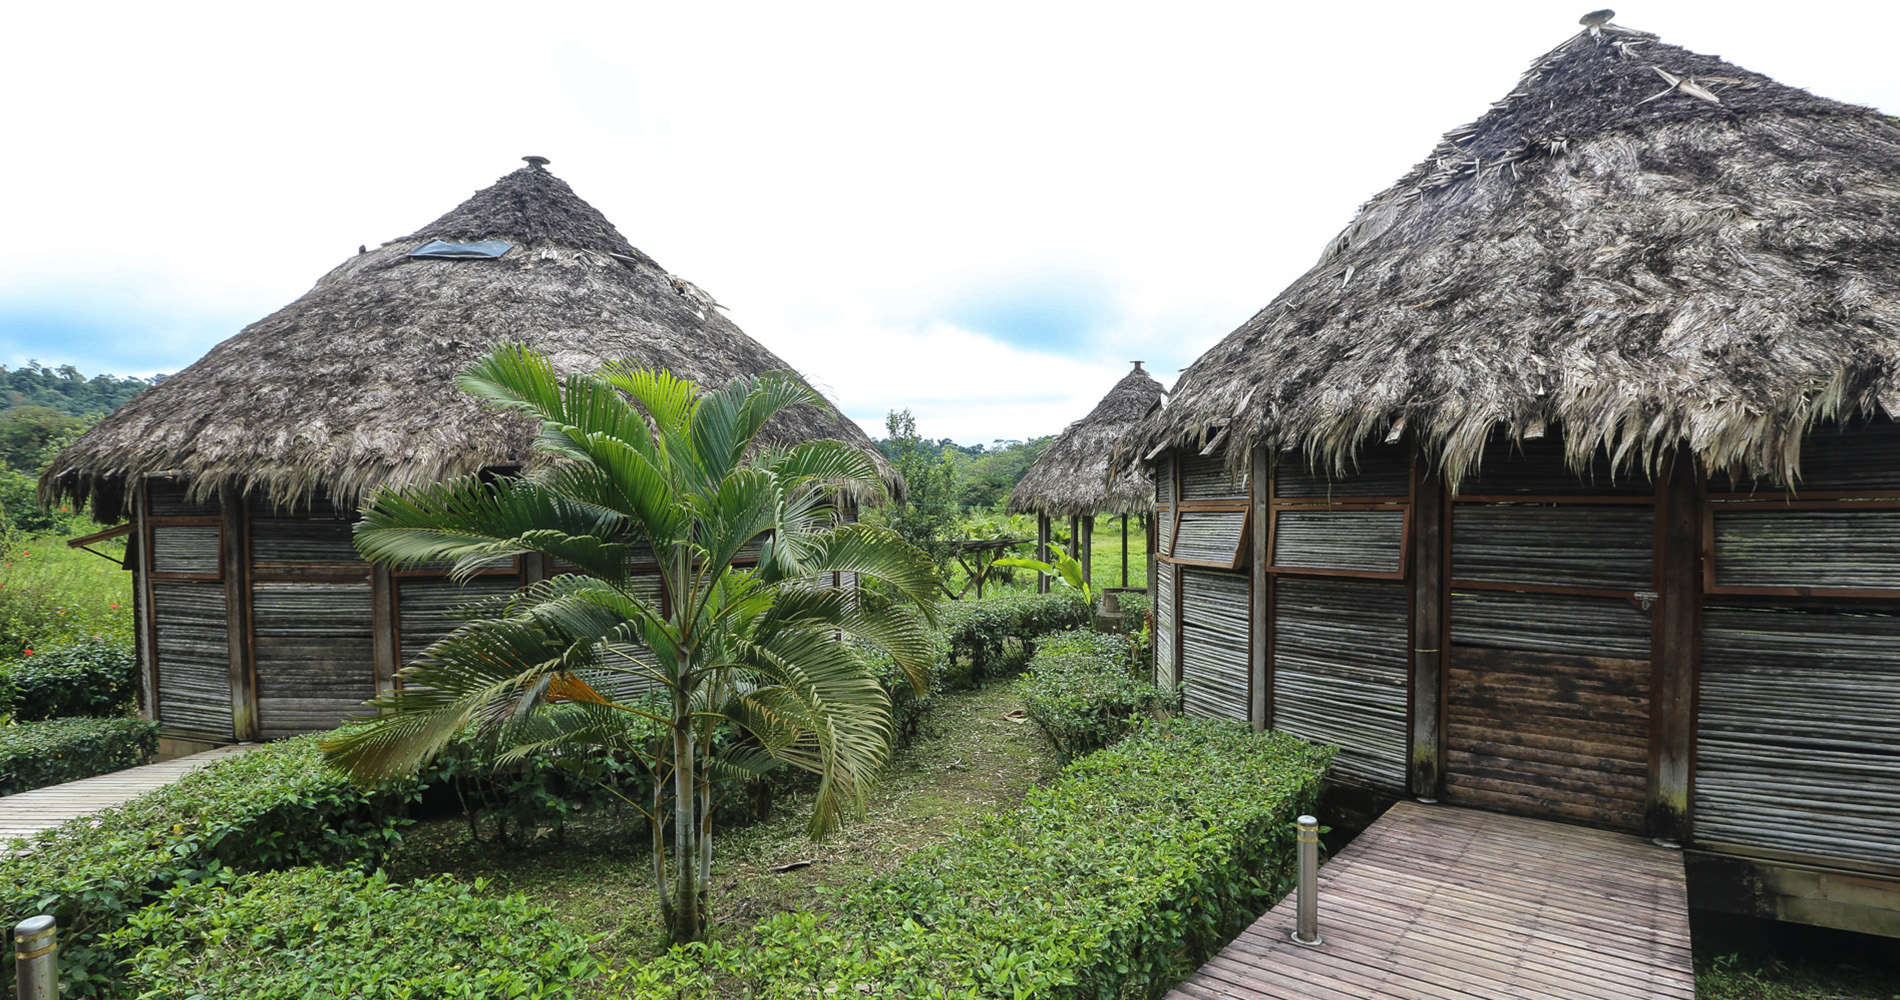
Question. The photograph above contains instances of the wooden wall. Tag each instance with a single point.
(1710, 662)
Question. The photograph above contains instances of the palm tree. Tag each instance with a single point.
(744, 668)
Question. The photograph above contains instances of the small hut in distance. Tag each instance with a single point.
(1071, 478)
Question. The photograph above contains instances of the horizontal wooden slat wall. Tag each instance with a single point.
(426, 606)
(314, 654)
(1164, 613)
(1798, 734)
(1609, 548)
(1797, 753)
(312, 623)
(1338, 609)
(1339, 672)
(193, 662)
(181, 567)
(1214, 633)
(1353, 540)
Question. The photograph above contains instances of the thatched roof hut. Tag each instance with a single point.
(1639, 243)
(1566, 483)
(1070, 478)
(240, 476)
(352, 385)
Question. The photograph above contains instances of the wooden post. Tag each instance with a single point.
(383, 639)
(1085, 544)
(1042, 551)
(1428, 560)
(1259, 683)
(1124, 551)
(139, 550)
(1677, 626)
(234, 563)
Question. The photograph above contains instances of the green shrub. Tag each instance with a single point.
(85, 676)
(312, 932)
(36, 754)
(1085, 692)
(978, 633)
(277, 806)
(1136, 866)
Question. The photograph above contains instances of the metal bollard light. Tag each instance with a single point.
(36, 955)
(1308, 930)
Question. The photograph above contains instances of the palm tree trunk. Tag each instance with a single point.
(656, 827)
(686, 925)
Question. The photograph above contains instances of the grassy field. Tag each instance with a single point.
(970, 760)
(1105, 562)
(50, 593)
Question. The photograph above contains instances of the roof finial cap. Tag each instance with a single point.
(1137, 366)
(537, 162)
(1597, 18)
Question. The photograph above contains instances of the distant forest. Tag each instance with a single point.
(67, 389)
(41, 411)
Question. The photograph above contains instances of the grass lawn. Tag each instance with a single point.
(1106, 560)
(969, 760)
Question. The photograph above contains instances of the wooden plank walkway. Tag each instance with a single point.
(1453, 904)
(25, 813)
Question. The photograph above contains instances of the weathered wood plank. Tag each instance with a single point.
(1451, 904)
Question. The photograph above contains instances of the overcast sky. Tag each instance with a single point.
(978, 211)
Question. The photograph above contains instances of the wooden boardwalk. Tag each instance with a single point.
(1453, 904)
(26, 813)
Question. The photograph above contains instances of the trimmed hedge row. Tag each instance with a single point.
(93, 677)
(1118, 880)
(36, 754)
(313, 932)
(977, 634)
(1083, 690)
(275, 807)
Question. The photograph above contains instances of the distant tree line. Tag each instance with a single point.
(955, 491)
(42, 410)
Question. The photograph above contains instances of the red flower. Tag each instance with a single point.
(2, 585)
(29, 652)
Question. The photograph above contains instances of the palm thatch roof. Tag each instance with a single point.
(352, 386)
(1070, 478)
(1640, 245)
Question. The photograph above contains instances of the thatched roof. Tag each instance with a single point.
(1641, 245)
(352, 385)
(1071, 476)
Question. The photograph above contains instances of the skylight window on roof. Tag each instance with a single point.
(469, 250)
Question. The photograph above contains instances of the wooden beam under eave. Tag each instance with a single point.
(1085, 548)
(1678, 625)
(1042, 551)
(382, 605)
(1427, 561)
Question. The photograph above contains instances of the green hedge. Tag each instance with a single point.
(36, 754)
(312, 932)
(1136, 866)
(1083, 690)
(275, 807)
(977, 634)
(92, 676)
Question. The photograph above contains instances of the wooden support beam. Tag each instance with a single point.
(382, 609)
(1124, 550)
(1678, 652)
(1042, 551)
(1085, 548)
(144, 643)
(235, 565)
(1428, 562)
(1259, 659)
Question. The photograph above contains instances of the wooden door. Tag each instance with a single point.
(1548, 669)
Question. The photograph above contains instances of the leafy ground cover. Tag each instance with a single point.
(51, 595)
(970, 758)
